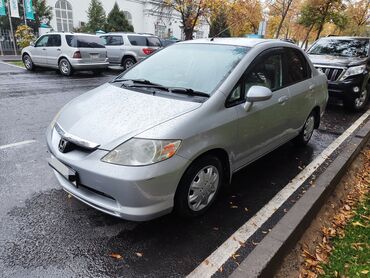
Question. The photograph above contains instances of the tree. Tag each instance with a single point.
(24, 36)
(219, 26)
(244, 17)
(358, 14)
(116, 21)
(280, 8)
(96, 17)
(190, 11)
(43, 13)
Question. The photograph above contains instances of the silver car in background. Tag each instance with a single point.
(125, 49)
(67, 52)
(169, 132)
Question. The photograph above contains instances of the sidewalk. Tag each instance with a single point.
(10, 58)
(6, 68)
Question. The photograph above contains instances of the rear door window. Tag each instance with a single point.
(54, 40)
(81, 41)
(297, 66)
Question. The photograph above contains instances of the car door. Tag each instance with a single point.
(53, 50)
(302, 87)
(115, 48)
(263, 126)
(39, 52)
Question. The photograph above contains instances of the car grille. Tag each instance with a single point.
(331, 73)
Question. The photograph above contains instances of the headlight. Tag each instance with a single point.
(139, 152)
(353, 71)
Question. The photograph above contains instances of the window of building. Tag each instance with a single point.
(128, 16)
(199, 34)
(160, 31)
(63, 15)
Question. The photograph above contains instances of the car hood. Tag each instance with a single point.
(109, 115)
(336, 60)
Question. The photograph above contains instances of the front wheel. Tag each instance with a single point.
(65, 67)
(358, 103)
(199, 186)
(306, 133)
(27, 61)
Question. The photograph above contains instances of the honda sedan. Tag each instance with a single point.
(169, 132)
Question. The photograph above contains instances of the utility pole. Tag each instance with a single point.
(24, 14)
(11, 28)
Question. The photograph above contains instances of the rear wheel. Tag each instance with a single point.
(65, 67)
(358, 103)
(27, 61)
(306, 133)
(128, 62)
(199, 186)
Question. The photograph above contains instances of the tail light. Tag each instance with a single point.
(148, 51)
(77, 54)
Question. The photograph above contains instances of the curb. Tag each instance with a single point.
(266, 257)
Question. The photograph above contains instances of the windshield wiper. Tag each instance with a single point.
(187, 91)
(141, 83)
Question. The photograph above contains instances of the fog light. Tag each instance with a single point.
(356, 89)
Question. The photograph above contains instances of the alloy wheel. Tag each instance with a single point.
(360, 101)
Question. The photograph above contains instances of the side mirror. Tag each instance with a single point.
(256, 94)
(32, 43)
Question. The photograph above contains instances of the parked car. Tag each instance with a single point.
(346, 63)
(67, 52)
(125, 49)
(167, 42)
(168, 132)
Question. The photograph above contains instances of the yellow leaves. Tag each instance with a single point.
(357, 223)
(116, 256)
(365, 271)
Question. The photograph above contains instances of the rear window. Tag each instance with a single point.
(144, 41)
(81, 41)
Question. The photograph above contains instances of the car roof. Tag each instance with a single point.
(70, 33)
(249, 42)
(128, 33)
(345, 38)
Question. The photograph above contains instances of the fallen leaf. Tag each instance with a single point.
(246, 209)
(69, 196)
(234, 207)
(139, 254)
(358, 224)
(365, 271)
(116, 256)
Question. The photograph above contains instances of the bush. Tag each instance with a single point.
(24, 36)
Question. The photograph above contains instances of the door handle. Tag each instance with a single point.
(44, 49)
(58, 49)
(283, 99)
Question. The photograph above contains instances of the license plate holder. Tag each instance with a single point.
(67, 172)
(94, 56)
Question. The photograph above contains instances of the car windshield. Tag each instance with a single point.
(200, 67)
(341, 47)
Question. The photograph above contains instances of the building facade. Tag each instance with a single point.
(146, 16)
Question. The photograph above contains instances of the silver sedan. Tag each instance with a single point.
(169, 132)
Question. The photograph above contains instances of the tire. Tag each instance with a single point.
(28, 63)
(196, 192)
(127, 62)
(65, 67)
(359, 103)
(305, 135)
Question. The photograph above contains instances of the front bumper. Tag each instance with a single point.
(132, 193)
(345, 89)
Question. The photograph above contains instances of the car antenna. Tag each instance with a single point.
(228, 27)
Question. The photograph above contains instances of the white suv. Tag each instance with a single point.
(125, 49)
(66, 52)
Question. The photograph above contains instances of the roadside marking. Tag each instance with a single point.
(214, 261)
(9, 64)
(17, 144)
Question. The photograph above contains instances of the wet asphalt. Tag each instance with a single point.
(44, 233)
